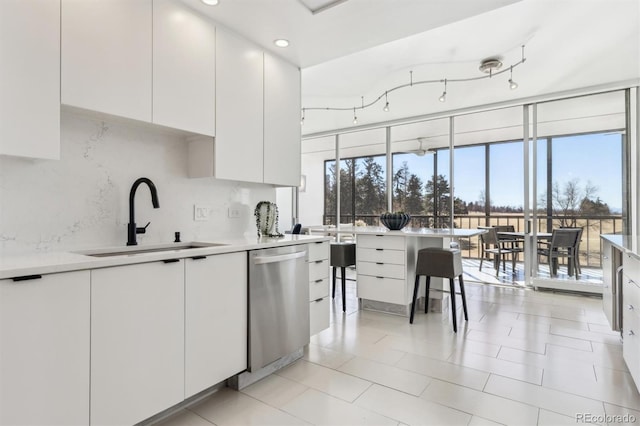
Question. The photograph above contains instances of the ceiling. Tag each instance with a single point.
(361, 48)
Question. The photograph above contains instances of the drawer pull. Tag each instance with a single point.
(380, 278)
(319, 261)
(318, 281)
(631, 333)
(631, 308)
(379, 249)
(171, 260)
(378, 235)
(319, 300)
(199, 257)
(27, 278)
(379, 263)
(319, 242)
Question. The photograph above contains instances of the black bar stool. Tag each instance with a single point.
(342, 255)
(443, 263)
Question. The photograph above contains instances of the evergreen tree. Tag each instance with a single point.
(400, 180)
(370, 188)
(347, 183)
(414, 197)
(330, 193)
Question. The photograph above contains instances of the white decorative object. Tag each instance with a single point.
(266, 214)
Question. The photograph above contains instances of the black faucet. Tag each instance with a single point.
(132, 230)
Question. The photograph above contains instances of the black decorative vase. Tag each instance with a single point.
(395, 221)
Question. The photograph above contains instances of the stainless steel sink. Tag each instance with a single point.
(130, 251)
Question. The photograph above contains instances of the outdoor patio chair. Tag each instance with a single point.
(499, 247)
(564, 243)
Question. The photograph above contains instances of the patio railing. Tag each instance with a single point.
(590, 246)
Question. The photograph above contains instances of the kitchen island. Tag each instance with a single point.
(386, 262)
(621, 294)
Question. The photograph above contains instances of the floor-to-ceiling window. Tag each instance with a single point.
(578, 174)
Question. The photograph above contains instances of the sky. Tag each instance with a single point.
(593, 158)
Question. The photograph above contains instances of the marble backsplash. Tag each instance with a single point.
(82, 200)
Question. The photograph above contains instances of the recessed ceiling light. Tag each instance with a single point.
(210, 2)
(281, 42)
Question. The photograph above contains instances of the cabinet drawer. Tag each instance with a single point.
(631, 268)
(318, 315)
(630, 295)
(318, 269)
(393, 242)
(318, 288)
(382, 289)
(631, 345)
(380, 269)
(376, 255)
(318, 251)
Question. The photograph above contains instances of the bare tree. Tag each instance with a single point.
(569, 200)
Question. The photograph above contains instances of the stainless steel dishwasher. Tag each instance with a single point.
(278, 303)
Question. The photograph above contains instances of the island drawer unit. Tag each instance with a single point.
(631, 316)
(318, 286)
(382, 268)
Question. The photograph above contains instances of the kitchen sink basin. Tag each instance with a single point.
(130, 251)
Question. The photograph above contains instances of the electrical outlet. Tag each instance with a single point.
(234, 213)
(200, 213)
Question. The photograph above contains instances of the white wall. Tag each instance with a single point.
(82, 201)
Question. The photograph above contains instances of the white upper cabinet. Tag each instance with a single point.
(281, 122)
(106, 56)
(30, 78)
(183, 68)
(239, 109)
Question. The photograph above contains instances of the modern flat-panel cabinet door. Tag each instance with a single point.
(184, 48)
(281, 122)
(106, 56)
(44, 357)
(239, 109)
(137, 341)
(216, 319)
(30, 78)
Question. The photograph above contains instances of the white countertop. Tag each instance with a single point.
(406, 232)
(52, 262)
(626, 243)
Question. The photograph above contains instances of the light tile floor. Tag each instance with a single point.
(524, 358)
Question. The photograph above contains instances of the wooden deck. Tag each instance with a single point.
(472, 273)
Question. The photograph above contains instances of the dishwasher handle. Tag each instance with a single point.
(261, 260)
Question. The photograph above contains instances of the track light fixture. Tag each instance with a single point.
(489, 66)
(512, 84)
(443, 97)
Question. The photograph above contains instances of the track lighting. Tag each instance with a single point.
(490, 67)
(512, 84)
(443, 97)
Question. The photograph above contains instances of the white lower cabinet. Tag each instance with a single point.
(216, 319)
(631, 316)
(382, 269)
(44, 341)
(318, 286)
(137, 341)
